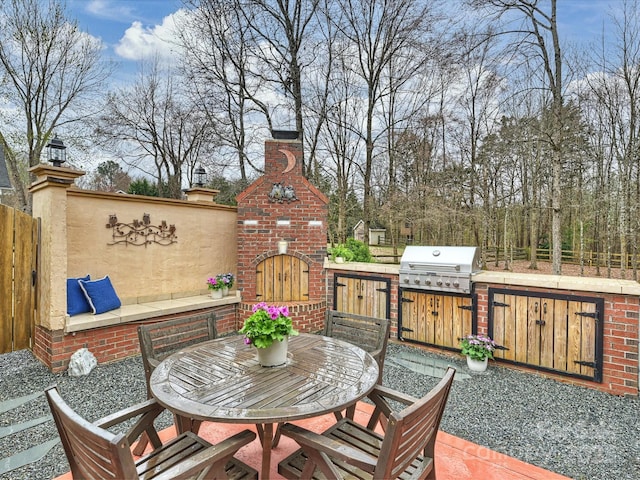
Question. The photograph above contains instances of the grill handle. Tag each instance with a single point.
(431, 268)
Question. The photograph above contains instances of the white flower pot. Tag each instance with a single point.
(225, 291)
(216, 294)
(275, 354)
(339, 259)
(477, 365)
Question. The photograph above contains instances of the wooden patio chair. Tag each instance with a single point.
(369, 333)
(159, 340)
(94, 452)
(350, 450)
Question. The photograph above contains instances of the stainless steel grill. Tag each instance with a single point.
(446, 269)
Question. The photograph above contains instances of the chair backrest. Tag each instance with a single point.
(159, 340)
(369, 333)
(412, 431)
(92, 452)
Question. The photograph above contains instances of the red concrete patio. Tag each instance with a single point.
(456, 459)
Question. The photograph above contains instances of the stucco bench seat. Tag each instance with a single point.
(142, 310)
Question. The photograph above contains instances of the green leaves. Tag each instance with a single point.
(261, 329)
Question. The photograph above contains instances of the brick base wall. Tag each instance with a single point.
(307, 317)
(109, 344)
(620, 352)
(620, 343)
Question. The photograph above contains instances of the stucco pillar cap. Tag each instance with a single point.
(48, 175)
(201, 194)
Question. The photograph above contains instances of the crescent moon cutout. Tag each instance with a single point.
(291, 160)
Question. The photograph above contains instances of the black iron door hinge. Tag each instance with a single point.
(587, 364)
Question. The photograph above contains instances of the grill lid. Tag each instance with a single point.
(439, 267)
(442, 259)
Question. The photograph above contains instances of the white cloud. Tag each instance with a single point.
(108, 10)
(140, 42)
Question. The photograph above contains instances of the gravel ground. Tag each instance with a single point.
(574, 431)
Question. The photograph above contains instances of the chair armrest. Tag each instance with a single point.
(385, 392)
(151, 407)
(311, 440)
(148, 411)
(376, 354)
(153, 363)
(215, 457)
(380, 396)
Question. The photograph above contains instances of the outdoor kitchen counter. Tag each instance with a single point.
(559, 282)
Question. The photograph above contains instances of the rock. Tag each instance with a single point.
(81, 363)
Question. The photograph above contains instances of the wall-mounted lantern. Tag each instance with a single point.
(201, 175)
(56, 152)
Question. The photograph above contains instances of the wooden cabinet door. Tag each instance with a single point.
(368, 296)
(282, 278)
(555, 332)
(435, 318)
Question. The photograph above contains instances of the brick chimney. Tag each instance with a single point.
(282, 206)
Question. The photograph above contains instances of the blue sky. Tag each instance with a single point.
(110, 19)
(131, 29)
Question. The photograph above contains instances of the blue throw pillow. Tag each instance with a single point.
(76, 300)
(101, 295)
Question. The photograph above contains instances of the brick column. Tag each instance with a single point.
(282, 205)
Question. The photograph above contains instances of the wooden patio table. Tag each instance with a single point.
(221, 381)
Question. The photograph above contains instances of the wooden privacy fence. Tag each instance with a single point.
(19, 235)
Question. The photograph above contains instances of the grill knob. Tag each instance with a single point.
(456, 284)
(417, 281)
(428, 282)
(447, 283)
(406, 280)
(439, 282)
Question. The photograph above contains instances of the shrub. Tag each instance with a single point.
(360, 250)
(341, 251)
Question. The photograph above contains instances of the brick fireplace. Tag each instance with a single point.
(282, 237)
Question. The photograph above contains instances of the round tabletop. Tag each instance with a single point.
(220, 380)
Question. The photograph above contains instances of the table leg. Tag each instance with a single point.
(277, 435)
(185, 424)
(265, 432)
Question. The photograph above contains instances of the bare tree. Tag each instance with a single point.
(379, 32)
(218, 67)
(538, 37)
(479, 106)
(341, 146)
(281, 29)
(50, 70)
(617, 90)
(154, 122)
(109, 177)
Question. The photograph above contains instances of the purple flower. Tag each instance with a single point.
(258, 306)
(247, 341)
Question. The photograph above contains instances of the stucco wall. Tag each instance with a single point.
(206, 244)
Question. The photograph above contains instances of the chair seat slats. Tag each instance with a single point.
(96, 453)
(400, 451)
